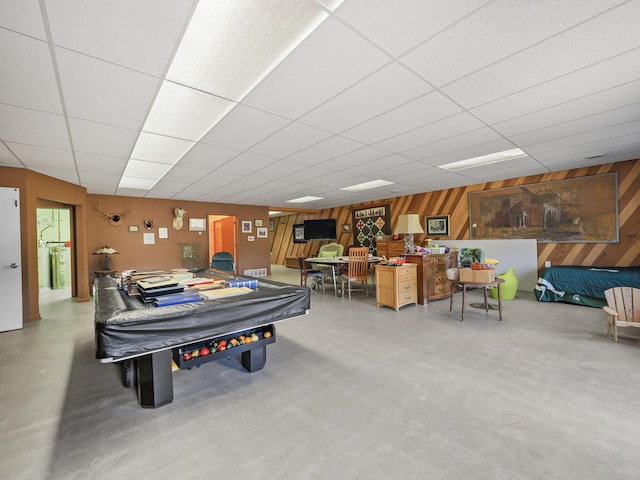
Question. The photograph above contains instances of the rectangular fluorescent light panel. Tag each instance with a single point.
(484, 160)
(274, 212)
(367, 185)
(183, 112)
(305, 199)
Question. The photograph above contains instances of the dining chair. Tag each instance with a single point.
(357, 271)
(306, 272)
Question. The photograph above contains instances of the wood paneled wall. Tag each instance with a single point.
(454, 202)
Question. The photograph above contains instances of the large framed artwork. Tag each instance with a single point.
(578, 210)
(368, 223)
(437, 225)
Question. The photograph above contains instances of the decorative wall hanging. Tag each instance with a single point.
(261, 232)
(197, 225)
(437, 226)
(148, 224)
(368, 223)
(298, 233)
(246, 226)
(115, 219)
(178, 214)
(578, 210)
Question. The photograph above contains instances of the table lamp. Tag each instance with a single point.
(408, 225)
(106, 251)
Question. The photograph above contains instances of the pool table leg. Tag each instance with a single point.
(155, 381)
(254, 359)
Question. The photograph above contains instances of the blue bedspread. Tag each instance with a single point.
(583, 285)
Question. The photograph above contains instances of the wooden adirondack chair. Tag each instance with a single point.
(622, 310)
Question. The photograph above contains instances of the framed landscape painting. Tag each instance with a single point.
(578, 210)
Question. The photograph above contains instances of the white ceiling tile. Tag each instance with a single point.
(246, 163)
(8, 159)
(330, 60)
(103, 92)
(326, 149)
(31, 127)
(294, 137)
(99, 189)
(588, 124)
(92, 163)
(274, 170)
(433, 132)
(27, 79)
(139, 35)
(501, 29)
(422, 111)
(587, 137)
(207, 157)
(102, 139)
(602, 76)
(184, 175)
(378, 167)
(129, 192)
(23, 16)
(243, 127)
(400, 26)
(99, 179)
(463, 141)
(304, 176)
(382, 91)
(469, 151)
(610, 34)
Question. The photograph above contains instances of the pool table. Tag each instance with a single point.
(145, 339)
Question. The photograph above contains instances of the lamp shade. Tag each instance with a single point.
(106, 250)
(409, 223)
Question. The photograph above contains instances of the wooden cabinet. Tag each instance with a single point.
(432, 277)
(390, 248)
(396, 286)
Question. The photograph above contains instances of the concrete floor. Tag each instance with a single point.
(351, 391)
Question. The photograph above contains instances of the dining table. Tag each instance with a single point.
(337, 263)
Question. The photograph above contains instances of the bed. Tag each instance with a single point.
(583, 285)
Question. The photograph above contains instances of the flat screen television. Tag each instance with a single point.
(321, 229)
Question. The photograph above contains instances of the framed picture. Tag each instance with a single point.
(262, 232)
(437, 226)
(257, 222)
(163, 232)
(576, 210)
(197, 225)
(298, 233)
(346, 228)
(246, 226)
(272, 225)
(134, 228)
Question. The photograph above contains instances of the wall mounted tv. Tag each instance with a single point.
(321, 229)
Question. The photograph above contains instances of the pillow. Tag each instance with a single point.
(330, 253)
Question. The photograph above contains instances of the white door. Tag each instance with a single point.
(10, 271)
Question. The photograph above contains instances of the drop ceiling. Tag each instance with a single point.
(307, 97)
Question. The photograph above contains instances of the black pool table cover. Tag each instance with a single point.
(127, 328)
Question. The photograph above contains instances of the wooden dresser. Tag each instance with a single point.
(390, 248)
(432, 277)
(396, 286)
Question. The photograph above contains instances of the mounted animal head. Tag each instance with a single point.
(178, 213)
(115, 219)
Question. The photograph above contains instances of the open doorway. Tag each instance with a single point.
(55, 269)
(222, 235)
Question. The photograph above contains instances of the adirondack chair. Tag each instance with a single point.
(622, 310)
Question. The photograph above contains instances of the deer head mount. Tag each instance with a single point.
(115, 219)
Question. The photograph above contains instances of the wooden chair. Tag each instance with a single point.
(622, 310)
(306, 272)
(357, 271)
